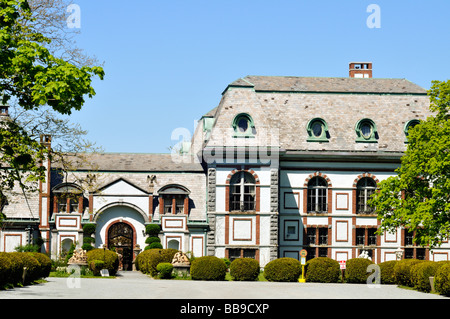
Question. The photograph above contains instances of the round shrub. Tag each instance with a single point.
(322, 269)
(283, 269)
(387, 272)
(110, 258)
(154, 245)
(89, 229)
(32, 264)
(5, 269)
(164, 270)
(356, 270)
(45, 262)
(96, 266)
(208, 268)
(152, 230)
(244, 269)
(148, 260)
(402, 271)
(150, 240)
(421, 273)
(442, 279)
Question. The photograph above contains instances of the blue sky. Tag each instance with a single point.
(167, 62)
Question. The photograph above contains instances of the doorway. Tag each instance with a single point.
(120, 238)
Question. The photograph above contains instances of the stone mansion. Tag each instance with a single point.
(281, 164)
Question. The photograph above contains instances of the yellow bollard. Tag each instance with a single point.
(302, 278)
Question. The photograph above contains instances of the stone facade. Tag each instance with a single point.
(244, 187)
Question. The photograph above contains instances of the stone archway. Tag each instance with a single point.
(121, 236)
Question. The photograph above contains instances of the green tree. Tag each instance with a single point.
(418, 198)
(33, 78)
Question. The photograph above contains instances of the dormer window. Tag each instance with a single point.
(317, 130)
(409, 125)
(366, 131)
(243, 126)
(68, 198)
(174, 199)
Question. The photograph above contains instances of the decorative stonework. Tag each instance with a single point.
(79, 257)
(317, 174)
(355, 182)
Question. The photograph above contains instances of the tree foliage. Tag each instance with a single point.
(36, 75)
(418, 198)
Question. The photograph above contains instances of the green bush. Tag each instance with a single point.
(356, 270)
(16, 268)
(421, 273)
(322, 269)
(96, 266)
(152, 230)
(164, 270)
(32, 264)
(148, 260)
(227, 262)
(442, 279)
(150, 240)
(89, 229)
(244, 269)
(387, 272)
(283, 269)
(154, 245)
(402, 271)
(110, 258)
(45, 262)
(5, 269)
(87, 247)
(208, 268)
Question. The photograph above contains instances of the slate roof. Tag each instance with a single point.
(131, 162)
(328, 84)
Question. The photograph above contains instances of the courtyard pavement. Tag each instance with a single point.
(135, 285)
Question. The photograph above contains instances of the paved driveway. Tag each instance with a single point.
(135, 285)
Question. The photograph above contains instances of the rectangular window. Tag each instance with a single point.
(179, 205)
(311, 236)
(360, 236)
(408, 238)
(323, 252)
(323, 236)
(372, 237)
(168, 205)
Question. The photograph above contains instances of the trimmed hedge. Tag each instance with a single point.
(45, 262)
(356, 270)
(442, 279)
(148, 260)
(208, 268)
(402, 271)
(322, 269)
(110, 259)
(421, 273)
(387, 272)
(283, 269)
(12, 265)
(244, 269)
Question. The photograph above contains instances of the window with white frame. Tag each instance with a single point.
(317, 195)
(242, 192)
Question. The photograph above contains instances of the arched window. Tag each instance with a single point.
(317, 195)
(364, 189)
(243, 125)
(317, 130)
(242, 192)
(366, 131)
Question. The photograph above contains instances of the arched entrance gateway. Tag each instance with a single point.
(121, 238)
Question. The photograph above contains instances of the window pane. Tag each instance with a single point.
(317, 129)
(249, 253)
(242, 125)
(366, 130)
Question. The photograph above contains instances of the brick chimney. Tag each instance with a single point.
(360, 69)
